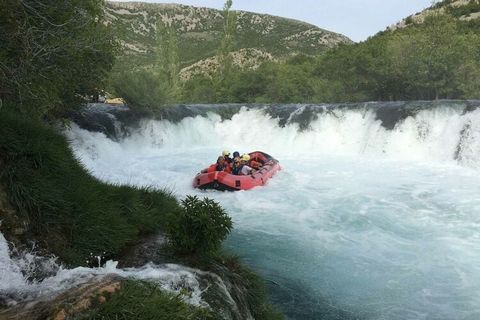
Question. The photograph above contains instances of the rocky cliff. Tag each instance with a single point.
(259, 37)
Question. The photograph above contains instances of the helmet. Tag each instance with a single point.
(245, 157)
(225, 153)
(236, 154)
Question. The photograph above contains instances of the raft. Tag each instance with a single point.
(224, 181)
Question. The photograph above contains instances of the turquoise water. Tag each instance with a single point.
(360, 223)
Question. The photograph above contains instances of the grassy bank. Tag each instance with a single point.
(143, 300)
(63, 207)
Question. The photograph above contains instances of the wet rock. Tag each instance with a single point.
(117, 122)
(223, 290)
(67, 304)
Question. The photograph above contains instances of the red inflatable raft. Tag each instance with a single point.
(221, 180)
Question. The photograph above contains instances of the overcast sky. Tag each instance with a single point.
(357, 19)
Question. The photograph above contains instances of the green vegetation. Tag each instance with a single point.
(149, 72)
(436, 59)
(52, 56)
(200, 32)
(143, 300)
(224, 56)
(143, 90)
(199, 227)
(439, 58)
(459, 11)
(65, 208)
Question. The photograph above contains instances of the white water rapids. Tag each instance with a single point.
(362, 222)
(16, 285)
(374, 223)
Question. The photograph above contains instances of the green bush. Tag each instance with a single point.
(199, 226)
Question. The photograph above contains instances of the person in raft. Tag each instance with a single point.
(239, 166)
(255, 164)
(226, 156)
(220, 165)
(243, 168)
(236, 166)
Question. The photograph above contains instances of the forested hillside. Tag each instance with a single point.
(436, 56)
(198, 33)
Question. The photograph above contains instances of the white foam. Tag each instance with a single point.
(381, 223)
(438, 135)
(15, 285)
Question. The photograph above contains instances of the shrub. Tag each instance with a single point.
(199, 226)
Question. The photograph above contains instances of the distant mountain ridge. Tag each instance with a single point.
(259, 37)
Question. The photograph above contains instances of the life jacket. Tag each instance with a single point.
(228, 168)
(236, 170)
(212, 168)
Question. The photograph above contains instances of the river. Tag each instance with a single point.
(374, 215)
(365, 220)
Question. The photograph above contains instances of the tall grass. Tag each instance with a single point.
(143, 300)
(63, 206)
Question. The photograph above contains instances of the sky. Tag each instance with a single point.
(357, 19)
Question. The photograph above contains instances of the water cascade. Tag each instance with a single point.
(375, 214)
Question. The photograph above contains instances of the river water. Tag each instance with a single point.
(363, 221)
(369, 218)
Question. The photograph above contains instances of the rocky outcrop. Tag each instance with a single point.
(248, 58)
(389, 113)
(67, 304)
(224, 291)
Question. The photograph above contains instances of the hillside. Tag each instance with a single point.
(464, 10)
(259, 37)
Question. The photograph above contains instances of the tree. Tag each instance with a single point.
(53, 54)
(225, 60)
(430, 59)
(167, 64)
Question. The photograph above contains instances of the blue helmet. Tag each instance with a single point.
(236, 154)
